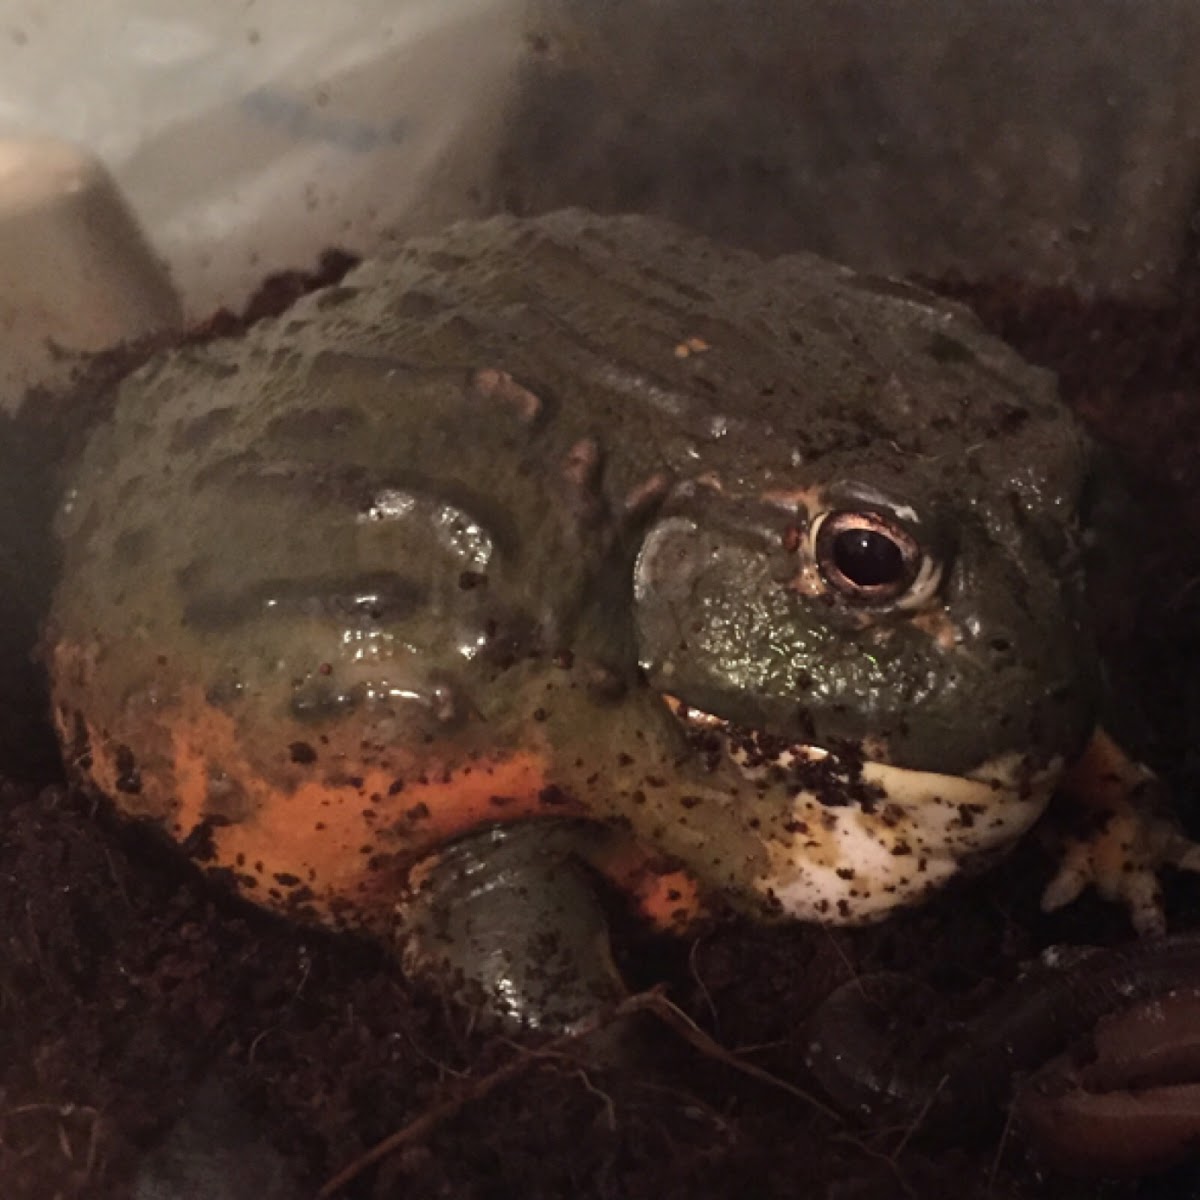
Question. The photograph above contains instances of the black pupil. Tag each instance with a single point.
(868, 558)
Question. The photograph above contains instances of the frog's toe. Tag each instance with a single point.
(1070, 880)
(511, 918)
(1122, 859)
(1135, 887)
(1128, 836)
(1142, 897)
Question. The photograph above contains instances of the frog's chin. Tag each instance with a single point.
(859, 838)
(855, 864)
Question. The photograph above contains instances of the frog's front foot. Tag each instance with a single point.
(511, 918)
(1126, 836)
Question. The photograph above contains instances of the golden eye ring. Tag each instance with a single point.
(869, 558)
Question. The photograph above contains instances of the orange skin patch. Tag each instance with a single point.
(328, 834)
(667, 897)
(341, 844)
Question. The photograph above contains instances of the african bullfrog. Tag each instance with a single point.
(566, 549)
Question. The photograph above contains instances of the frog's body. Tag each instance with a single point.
(757, 578)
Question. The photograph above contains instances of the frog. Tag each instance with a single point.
(551, 559)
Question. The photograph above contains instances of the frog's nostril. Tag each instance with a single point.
(1001, 645)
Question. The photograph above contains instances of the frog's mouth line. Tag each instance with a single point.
(848, 838)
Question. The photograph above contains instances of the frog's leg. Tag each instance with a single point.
(513, 917)
(1128, 836)
(665, 895)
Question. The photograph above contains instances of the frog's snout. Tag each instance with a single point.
(852, 837)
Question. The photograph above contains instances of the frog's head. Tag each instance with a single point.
(887, 643)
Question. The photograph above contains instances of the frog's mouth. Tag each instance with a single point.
(846, 838)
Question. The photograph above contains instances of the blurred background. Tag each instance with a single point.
(1048, 140)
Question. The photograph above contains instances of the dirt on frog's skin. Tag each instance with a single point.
(128, 984)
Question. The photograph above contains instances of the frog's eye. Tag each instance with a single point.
(871, 559)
